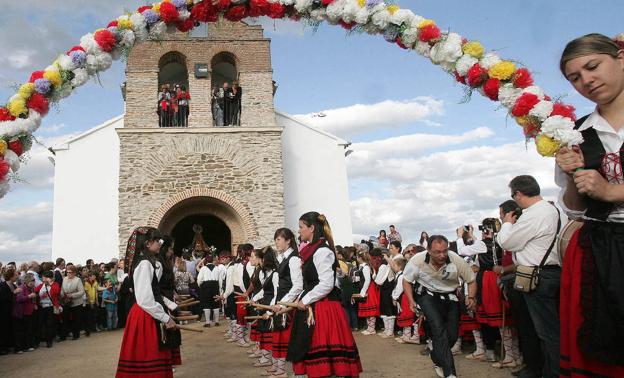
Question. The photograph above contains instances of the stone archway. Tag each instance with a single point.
(207, 202)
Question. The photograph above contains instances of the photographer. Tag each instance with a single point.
(532, 238)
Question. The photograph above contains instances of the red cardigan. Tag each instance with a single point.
(55, 291)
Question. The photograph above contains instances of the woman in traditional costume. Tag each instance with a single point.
(149, 336)
(321, 343)
(592, 281)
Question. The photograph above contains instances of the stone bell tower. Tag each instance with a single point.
(229, 180)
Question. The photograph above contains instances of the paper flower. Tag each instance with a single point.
(151, 17)
(39, 103)
(43, 86)
(105, 39)
(236, 13)
(464, 63)
(3, 147)
(522, 78)
(26, 90)
(35, 75)
(489, 60)
(78, 58)
(524, 104)
(5, 115)
(4, 169)
(16, 146)
(474, 49)
(429, 33)
(503, 70)
(491, 87)
(17, 107)
(546, 146)
(563, 110)
(476, 76)
(168, 12)
(179, 3)
(124, 22)
(508, 94)
(447, 50)
(54, 77)
(542, 110)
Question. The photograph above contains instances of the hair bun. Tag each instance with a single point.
(322, 218)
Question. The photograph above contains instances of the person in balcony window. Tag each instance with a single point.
(217, 106)
(229, 102)
(183, 98)
(235, 111)
(164, 106)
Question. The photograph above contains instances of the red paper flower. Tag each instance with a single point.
(204, 12)
(524, 104)
(17, 147)
(522, 78)
(276, 10)
(5, 115)
(75, 48)
(400, 43)
(563, 110)
(460, 79)
(105, 39)
(258, 8)
(38, 103)
(112, 23)
(35, 75)
(346, 25)
(491, 87)
(4, 169)
(429, 33)
(224, 4)
(144, 8)
(476, 75)
(236, 13)
(327, 2)
(185, 25)
(168, 12)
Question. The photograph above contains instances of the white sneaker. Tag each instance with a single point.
(439, 371)
(452, 376)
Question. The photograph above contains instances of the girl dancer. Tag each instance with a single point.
(369, 307)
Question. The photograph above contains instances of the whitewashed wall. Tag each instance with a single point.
(315, 177)
(85, 195)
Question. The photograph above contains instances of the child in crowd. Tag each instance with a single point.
(109, 298)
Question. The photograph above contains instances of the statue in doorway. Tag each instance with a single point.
(199, 245)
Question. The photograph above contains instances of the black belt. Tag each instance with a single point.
(550, 267)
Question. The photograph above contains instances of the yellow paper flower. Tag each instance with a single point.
(124, 23)
(503, 70)
(54, 77)
(17, 107)
(3, 147)
(26, 90)
(474, 49)
(361, 3)
(424, 23)
(156, 8)
(546, 146)
(392, 9)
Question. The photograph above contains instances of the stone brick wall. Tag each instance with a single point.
(253, 63)
(156, 165)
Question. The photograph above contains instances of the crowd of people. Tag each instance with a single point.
(173, 106)
(226, 104)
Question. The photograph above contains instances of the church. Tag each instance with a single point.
(239, 183)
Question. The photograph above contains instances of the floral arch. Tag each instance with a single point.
(549, 122)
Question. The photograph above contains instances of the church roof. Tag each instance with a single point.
(111, 122)
(303, 124)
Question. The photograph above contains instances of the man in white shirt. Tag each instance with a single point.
(530, 237)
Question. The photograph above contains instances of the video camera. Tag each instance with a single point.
(492, 225)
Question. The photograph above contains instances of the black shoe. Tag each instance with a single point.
(61, 339)
(425, 352)
(525, 372)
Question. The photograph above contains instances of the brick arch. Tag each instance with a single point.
(172, 56)
(247, 222)
(225, 55)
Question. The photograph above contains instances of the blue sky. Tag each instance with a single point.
(396, 175)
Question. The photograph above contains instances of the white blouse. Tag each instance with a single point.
(142, 277)
(323, 260)
(366, 271)
(398, 289)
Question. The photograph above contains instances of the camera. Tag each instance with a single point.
(466, 228)
(490, 225)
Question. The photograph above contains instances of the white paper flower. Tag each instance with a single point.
(104, 61)
(64, 92)
(381, 19)
(409, 36)
(21, 125)
(334, 11)
(302, 6)
(89, 45)
(158, 30)
(464, 63)
(447, 50)
(127, 38)
(562, 130)
(423, 48)
(319, 15)
(92, 64)
(66, 63)
(12, 159)
(490, 59)
(139, 27)
(534, 90)
(570, 138)
(81, 76)
(508, 94)
(542, 110)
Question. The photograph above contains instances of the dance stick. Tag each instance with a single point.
(356, 296)
(244, 302)
(258, 317)
(185, 301)
(288, 304)
(188, 304)
(186, 328)
(262, 307)
(185, 317)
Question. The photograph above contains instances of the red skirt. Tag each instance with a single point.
(280, 340)
(573, 363)
(406, 317)
(370, 307)
(467, 324)
(241, 311)
(490, 311)
(266, 340)
(254, 335)
(140, 355)
(332, 349)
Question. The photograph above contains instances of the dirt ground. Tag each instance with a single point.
(208, 355)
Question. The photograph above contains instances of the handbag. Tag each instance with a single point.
(527, 277)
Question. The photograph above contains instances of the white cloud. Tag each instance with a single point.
(26, 233)
(361, 118)
(443, 190)
(394, 156)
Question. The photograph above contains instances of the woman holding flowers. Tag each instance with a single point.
(592, 296)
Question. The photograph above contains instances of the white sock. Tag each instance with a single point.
(415, 335)
(207, 316)
(478, 342)
(281, 366)
(390, 325)
(247, 333)
(457, 346)
(371, 324)
(407, 333)
(215, 313)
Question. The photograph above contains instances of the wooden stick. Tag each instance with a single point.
(288, 304)
(262, 307)
(189, 300)
(188, 304)
(186, 328)
(185, 317)
(356, 296)
(244, 302)
(259, 317)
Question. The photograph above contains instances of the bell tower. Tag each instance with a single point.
(228, 180)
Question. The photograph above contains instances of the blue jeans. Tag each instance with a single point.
(543, 305)
(111, 319)
(443, 319)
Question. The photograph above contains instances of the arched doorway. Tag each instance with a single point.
(172, 70)
(223, 69)
(214, 231)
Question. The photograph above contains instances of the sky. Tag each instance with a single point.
(426, 156)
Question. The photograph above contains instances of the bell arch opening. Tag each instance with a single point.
(172, 69)
(214, 232)
(223, 69)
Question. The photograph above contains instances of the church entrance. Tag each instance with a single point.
(213, 230)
